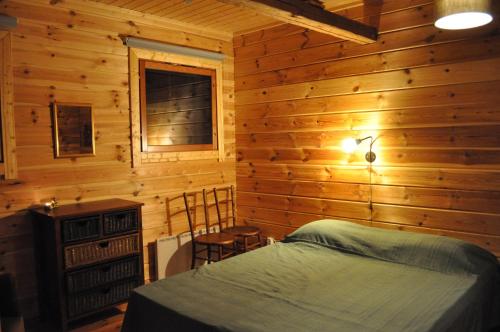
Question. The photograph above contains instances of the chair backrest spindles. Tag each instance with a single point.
(205, 207)
(233, 205)
(219, 217)
(188, 212)
(229, 215)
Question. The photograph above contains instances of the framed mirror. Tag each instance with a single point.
(73, 130)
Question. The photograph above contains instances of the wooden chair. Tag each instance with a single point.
(243, 234)
(223, 243)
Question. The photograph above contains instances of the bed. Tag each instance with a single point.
(330, 275)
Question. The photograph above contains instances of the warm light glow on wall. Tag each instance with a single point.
(349, 145)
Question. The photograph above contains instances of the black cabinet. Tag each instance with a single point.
(89, 258)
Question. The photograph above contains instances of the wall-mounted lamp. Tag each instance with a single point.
(351, 144)
(462, 14)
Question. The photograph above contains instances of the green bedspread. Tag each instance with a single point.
(311, 284)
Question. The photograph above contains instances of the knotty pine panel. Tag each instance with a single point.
(478, 180)
(463, 200)
(343, 209)
(427, 157)
(70, 59)
(446, 137)
(439, 75)
(338, 50)
(391, 60)
(303, 172)
(428, 117)
(67, 51)
(457, 96)
(426, 95)
(332, 190)
(82, 16)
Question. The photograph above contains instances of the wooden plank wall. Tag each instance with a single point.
(70, 51)
(429, 97)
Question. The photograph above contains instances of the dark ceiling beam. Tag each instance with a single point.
(312, 17)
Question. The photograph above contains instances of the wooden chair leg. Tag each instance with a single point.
(209, 254)
(259, 239)
(193, 256)
(245, 243)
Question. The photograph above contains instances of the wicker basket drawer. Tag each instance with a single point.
(120, 222)
(75, 229)
(103, 274)
(97, 251)
(100, 297)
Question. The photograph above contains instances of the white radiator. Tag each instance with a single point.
(173, 254)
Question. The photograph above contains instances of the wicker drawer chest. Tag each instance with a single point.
(89, 258)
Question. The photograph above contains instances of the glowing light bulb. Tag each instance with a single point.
(349, 145)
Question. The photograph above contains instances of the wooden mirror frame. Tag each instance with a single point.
(56, 127)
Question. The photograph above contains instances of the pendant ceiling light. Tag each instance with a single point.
(462, 14)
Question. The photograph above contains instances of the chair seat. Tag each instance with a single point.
(215, 239)
(242, 230)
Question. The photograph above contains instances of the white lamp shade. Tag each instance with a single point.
(462, 14)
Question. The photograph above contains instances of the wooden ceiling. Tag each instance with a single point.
(212, 14)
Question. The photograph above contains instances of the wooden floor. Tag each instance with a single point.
(112, 323)
(107, 322)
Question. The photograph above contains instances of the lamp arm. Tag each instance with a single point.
(370, 156)
(359, 140)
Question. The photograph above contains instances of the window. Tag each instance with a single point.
(178, 107)
(196, 144)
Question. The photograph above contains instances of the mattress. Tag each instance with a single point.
(330, 276)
